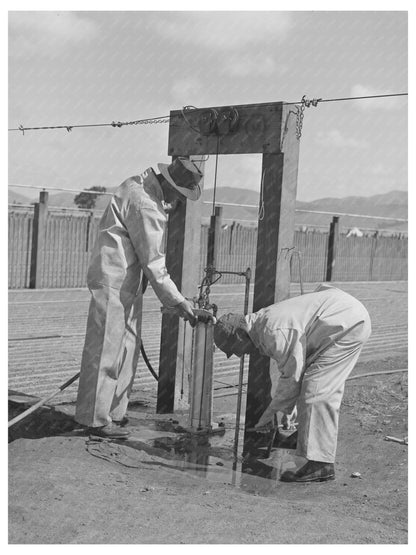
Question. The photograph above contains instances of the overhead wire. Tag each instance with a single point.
(47, 188)
(69, 128)
(166, 119)
(357, 97)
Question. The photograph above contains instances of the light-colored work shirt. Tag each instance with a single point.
(293, 330)
(131, 239)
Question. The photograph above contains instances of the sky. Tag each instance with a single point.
(89, 67)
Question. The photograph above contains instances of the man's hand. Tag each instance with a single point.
(185, 310)
(288, 420)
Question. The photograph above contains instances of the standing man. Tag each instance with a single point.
(316, 340)
(128, 251)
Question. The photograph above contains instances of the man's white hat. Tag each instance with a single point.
(184, 176)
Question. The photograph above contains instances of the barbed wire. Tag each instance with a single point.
(69, 128)
(302, 104)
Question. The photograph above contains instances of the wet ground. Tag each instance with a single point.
(167, 440)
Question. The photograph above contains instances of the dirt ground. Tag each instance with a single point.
(159, 489)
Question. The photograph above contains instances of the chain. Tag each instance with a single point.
(150, 121)
(305, 103)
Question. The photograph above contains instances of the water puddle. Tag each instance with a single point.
(210, 457)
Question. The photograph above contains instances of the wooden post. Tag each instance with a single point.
(274, 243)
(38, 240)
(373, 254)
(182, 262)
(213, 239)
(332, 248)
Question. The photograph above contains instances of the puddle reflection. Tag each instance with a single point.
(213, 458)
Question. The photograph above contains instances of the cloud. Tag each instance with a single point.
(186, 90)
(224, 30)
(379, 169)
(335, 138)
(34, 33)
(390, 103)
(251, 65)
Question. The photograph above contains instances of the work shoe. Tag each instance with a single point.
(123, 422)
(289, 442)
(110, 431)
(312, 471)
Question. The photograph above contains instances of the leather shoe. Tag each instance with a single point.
(110, 431)
(123, 422)
(312, 471)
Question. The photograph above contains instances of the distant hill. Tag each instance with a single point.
(66, 200)
(17, 198)
(393, 204)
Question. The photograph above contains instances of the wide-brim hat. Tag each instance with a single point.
(184, 176)
(226, 332)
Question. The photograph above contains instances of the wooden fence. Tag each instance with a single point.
(67, 239)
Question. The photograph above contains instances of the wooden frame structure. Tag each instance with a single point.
(268, 129)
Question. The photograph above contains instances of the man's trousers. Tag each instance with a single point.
(321, 394)
(110, 355)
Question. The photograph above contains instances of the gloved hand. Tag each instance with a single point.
(204, 316)
(185, 310)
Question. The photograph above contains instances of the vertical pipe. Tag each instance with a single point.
(200, 414)
(241, 373)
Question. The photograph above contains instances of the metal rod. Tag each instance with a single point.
(203, 377)
(247, 275)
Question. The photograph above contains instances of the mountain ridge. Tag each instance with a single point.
(393, 204)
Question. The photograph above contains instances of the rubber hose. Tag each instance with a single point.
(147, 361)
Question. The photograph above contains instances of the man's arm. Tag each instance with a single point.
(146, 226)
(288, 348)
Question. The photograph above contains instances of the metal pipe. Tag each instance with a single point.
(200, 414)
(241, 373)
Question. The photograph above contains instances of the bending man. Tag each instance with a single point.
(128, 251)
(315, 340)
